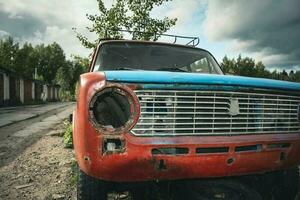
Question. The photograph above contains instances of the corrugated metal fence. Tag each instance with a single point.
(16, 90)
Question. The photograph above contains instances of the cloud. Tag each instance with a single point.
(184, 10)
(47, 21)
(63, 36)
(19, 27)
(268, 29)
(189, 16)
(4, 34)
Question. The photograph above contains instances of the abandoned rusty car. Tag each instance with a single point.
(152, 112)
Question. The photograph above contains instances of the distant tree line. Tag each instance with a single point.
(48, 60)
(53, 67)
(248, 67)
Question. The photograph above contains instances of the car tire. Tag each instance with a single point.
(276, 185)
(219, 189)
(89, 188)
(138, 194)
(287, 184)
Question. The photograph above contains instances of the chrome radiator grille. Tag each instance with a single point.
(170, 112)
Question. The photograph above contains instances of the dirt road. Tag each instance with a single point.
(33, 161)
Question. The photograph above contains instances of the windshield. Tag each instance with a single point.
(149, 56)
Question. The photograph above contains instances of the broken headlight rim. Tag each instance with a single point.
(117, 104)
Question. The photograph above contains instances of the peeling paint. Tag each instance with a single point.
(87, 160)
(197, 79)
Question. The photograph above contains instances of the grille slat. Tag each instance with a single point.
(170, 112)
(245, 99)
(188, 107)
(204, 123)
(220, 113)
(208, 128)
(244, 95)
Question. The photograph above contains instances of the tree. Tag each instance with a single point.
(260, 70)
(297, 76)
(25, 61)
(227, 65)
(84, 62)
(50, 59)
(8, 50)
(245, 66)
(284, 75)
(248, 67)
(131, 15)
(146, 27)
(68, 74)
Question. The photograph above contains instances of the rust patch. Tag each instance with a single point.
(282, 156)
(113, 145)
(134, 109)
(87, 159)
(230, 161)
(159, 164)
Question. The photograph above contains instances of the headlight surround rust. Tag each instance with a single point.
(114, 109)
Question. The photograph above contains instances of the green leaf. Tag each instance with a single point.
(126, 15)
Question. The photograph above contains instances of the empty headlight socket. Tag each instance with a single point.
(113, 145)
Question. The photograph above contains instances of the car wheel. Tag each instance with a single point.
(276, 185)
(89, 188)
(220, 189)
(138, 194)
(286, 185)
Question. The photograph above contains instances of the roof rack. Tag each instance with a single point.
(192, 41)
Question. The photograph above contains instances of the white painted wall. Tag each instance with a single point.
(6, 86)
(55, 93)
(51, 92)
(32, 90)
(44, 93)
(22, 90)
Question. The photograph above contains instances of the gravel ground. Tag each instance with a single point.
(42, 171)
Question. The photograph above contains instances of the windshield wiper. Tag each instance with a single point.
(172, 69)
(124, 68)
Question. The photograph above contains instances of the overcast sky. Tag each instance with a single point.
(267, 30)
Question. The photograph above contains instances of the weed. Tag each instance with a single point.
(68, 138)
(74, 172)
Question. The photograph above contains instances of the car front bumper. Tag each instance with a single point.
(217, 156)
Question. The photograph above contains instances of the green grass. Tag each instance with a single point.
(68, 138)
(74, 172)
